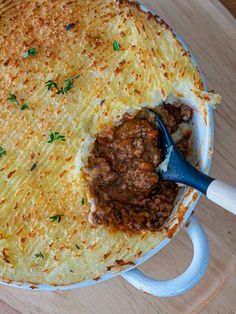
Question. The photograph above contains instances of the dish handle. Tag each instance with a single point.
(184, 282)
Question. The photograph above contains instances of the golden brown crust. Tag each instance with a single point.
(149, 67)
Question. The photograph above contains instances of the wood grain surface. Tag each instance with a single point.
(210, 31)
(230, 5)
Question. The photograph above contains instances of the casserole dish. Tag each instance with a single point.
(55, 276)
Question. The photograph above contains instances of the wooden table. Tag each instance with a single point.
(230, 5)
(209, 29)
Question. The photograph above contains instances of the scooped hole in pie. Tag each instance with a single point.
(123, 182)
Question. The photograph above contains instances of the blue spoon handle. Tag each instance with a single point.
(198, 180)
(191, 176)
(215, 190)
(181, 171)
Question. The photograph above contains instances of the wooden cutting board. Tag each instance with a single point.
(210, 31)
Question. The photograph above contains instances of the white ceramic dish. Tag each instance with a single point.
(203, 129)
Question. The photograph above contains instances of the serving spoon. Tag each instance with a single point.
(175, 168)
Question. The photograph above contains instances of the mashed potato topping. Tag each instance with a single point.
(68, 69)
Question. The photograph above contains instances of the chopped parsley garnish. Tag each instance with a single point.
(62, 90)
(77, 246)
(116, 46)
(50, 84)
(102, 102)
(39, 255)
(69, 85)
(30, 53)
(82, 201)
(2, 152)
(33, 166)
(71, 270)
(24, 107)
(56, 218)
(69, 26)
(12, 98)
(56, 136)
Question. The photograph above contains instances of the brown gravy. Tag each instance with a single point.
(122, 176)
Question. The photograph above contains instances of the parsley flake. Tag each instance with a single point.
(69, 84)
(116, 46)
(39, 255)
(12, 98)
(24, 107)
(2, 152)
(62, 90)
(33, 166)
(102, 102)
(30, 53)
(56, 136)
(82, 201)
(49, 84)
(77, 246)
(56, 218)
(71, 270)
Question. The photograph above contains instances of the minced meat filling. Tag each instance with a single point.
(122, 176)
